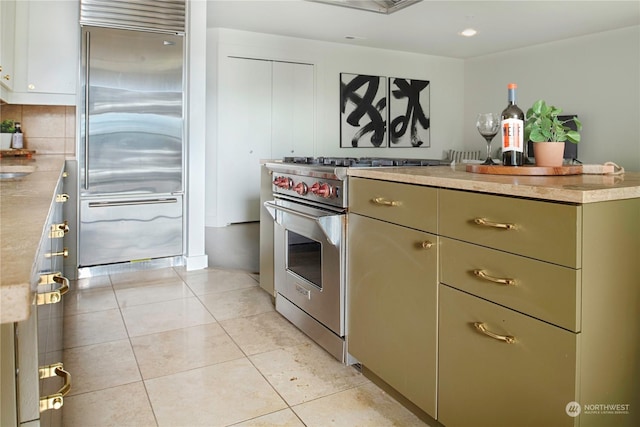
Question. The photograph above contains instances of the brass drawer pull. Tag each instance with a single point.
(55, 401)
(481, 274)
(385, 202)
(506, 338)
(426, 244)
(53, 297)
(61, 198)
(505, 226)
(58, 230)
(64, 253)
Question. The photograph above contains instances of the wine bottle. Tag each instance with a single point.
(512, 124)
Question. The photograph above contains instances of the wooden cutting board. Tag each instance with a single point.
(19, 152)
(529, 170)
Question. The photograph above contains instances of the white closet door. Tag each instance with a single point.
(293, 110)
(244, 138)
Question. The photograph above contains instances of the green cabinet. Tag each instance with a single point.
(491, 310)
(563, 283)
(486, 381)
(392, 303)
(532, 228)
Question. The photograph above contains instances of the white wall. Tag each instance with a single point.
(330, 59)
(596, 77)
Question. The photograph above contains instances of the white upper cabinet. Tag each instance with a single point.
(46, 52)
(7, 41)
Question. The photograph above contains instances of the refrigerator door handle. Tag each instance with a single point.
(131, 202)
(86, 111)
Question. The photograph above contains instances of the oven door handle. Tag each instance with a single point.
(272, 208)
(331, 225)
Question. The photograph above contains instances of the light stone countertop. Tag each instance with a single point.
(24, 207)
(570, 188)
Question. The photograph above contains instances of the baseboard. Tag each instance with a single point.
(198, 262)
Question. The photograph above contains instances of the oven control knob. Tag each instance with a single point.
(301, 188)
(322, 190)
(283, 182)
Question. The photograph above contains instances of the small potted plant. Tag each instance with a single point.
(549, 133)
(7, 129)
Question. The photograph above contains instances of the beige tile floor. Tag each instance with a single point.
(206, 348)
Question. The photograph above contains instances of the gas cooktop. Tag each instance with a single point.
(360, 161)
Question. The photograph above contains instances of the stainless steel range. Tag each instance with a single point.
(309, 206)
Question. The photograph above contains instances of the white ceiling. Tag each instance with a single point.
(429, 27)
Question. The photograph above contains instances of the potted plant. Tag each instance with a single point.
(7, 129)
(549, 133)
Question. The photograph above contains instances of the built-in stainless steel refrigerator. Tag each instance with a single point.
(130, 147)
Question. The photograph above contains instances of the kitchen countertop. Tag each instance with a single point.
(24, 208)
(569, 188)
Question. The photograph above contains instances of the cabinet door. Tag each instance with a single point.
(7, 34)
(266, 111)
(8, 402)
(393, 306)
(245, 137)
(266, 234)
(292, 124)
(485, 381)
(46, 53)
(52, 49)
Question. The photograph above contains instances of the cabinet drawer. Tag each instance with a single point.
(537, 229)
(484, 381)
(546, 291)
(409, 205)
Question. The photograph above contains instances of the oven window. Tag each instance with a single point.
(304, 257)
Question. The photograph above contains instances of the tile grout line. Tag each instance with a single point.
(246, 356)
(243, 352)
(135, 356)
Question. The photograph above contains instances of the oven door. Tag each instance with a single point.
(309, 260)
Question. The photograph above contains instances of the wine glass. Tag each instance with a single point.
(488, 125)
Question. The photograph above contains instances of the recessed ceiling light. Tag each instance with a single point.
(354, 37)
(468, 32)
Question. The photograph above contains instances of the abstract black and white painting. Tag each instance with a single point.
(409, 120)
(363, 111)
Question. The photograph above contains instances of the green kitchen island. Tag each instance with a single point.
(493, 300)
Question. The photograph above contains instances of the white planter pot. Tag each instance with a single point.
(5, 141)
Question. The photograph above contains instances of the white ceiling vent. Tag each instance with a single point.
(379, 6)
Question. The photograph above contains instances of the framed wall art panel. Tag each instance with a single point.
(409, 120)
(363, 111)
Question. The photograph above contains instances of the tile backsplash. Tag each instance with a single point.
(48, 129)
